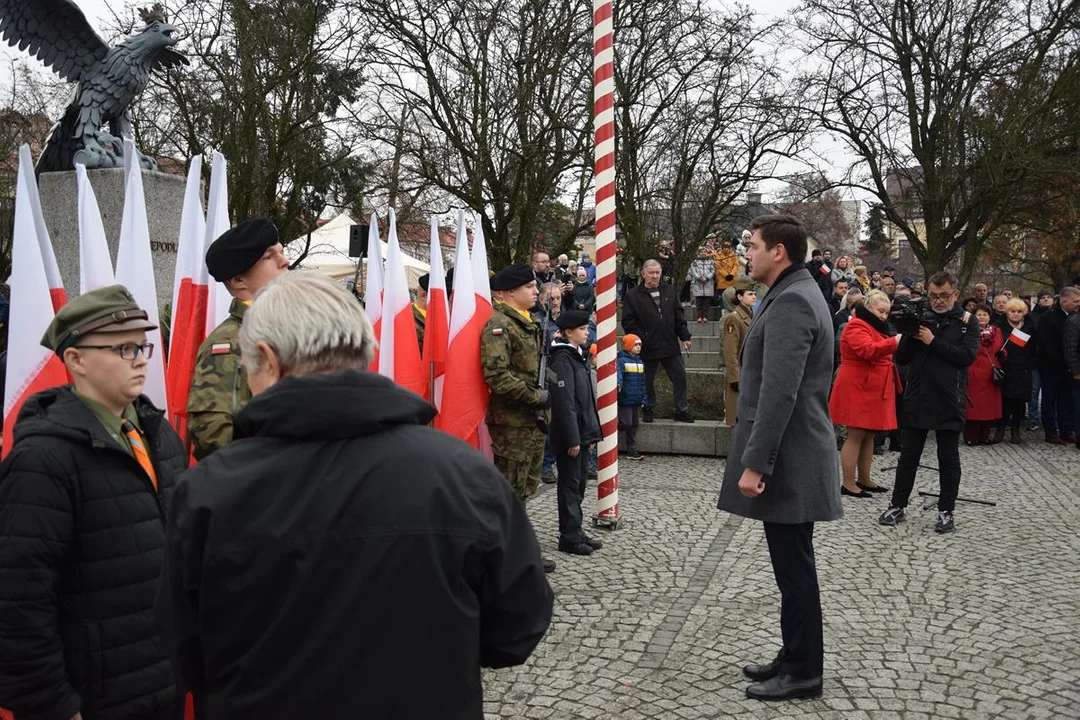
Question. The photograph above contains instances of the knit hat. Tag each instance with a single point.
(629, 341)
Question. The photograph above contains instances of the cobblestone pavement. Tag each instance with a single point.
(983, 623)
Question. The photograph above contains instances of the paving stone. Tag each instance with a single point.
(982, 623)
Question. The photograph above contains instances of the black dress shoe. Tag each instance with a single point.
(863, 494)
(594, 544)
(549, 565)
(579, 548)
(785, 687)
(761, 673)
(867, 488)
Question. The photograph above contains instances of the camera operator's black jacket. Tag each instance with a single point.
(935, 390)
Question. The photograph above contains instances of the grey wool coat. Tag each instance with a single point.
(783, 428)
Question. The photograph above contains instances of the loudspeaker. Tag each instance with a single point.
(358, 236)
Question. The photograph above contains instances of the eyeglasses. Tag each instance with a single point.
(126, 351)
(942, 296)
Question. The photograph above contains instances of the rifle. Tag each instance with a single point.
(545, 347)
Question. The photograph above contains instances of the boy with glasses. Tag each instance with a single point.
(82, 527)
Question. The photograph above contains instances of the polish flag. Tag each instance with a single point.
(190, 293)
(1019, 338)
(437, 325)
(135, 270)
(400, 359)
(465, 394)
(482, 289)
(217, 222)
(95, 263)
(31, 368)
(825, 270)
(57, 293)
(373, 286)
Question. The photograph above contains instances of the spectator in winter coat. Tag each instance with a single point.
(583, 296)
(821, 272)
(653, 313)
(341, 565)
(1019, 363)
(590, 268)
(862, 279)
(1072, 362)
(82, 527)
(842, 271)
(726, 265)
(864, 394)
(630, 376)
(702, 276)
(984, 394)
(839, 293)
(1057, 401)
(736, 326)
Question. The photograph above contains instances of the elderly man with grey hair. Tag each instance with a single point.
(339, 548)
(652, 311)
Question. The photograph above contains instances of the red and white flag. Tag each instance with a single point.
(217, 222)
(825, 269)
(437, 324)
(31, 368)
(135, 271)
(400, 358)
(373, 286)
(1018, 337)
(95, 263)
(48, 257)
(190, 293)
(465, 394)
(482, 289)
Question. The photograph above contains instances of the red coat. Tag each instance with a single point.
(984, 393)
(864, 394)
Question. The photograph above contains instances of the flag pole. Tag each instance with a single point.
(607, 506)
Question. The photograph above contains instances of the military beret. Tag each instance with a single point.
(513, 277)
(423, 281)
(572, 319)
(108, 309)
(238, 248)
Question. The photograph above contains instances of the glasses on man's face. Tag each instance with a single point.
(126, 351)
(941, 296)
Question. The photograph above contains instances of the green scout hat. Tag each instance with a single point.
(108, 309)
(745, 283)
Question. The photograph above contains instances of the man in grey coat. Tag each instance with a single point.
(781, 467)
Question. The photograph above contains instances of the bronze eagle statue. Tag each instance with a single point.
(109, 79)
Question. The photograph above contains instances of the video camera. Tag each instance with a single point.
(908, 315)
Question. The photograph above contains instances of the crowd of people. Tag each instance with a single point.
(129, 554)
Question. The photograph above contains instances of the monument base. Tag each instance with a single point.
(164, 206)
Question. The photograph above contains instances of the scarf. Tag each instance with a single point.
(873, 320)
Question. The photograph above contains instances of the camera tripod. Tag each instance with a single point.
(923, 493)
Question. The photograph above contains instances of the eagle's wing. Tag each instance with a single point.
(55, 32)
(167, 59)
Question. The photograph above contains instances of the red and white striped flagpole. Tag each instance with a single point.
(607, 506)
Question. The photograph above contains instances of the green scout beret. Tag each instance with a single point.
(572, 319)
(238, 248)
(745, 283)
(108, 309)
(513, 277)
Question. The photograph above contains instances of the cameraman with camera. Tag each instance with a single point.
(939, 343)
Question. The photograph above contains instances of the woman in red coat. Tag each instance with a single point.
(864, 394)
(984, 408)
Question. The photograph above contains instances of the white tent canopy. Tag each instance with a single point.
(329, 253)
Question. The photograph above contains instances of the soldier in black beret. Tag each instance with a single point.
(575, 426)
(244, 259)
(82, 525)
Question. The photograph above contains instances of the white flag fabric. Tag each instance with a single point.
(463, 282)
(190, 249)
(480, 276)
(135, 271)
(217, 222)
(373, 287)
(95, 263)
(48, 256)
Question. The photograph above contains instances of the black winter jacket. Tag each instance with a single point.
(1019, 362)
(935, 386)
(1071, 341)
(660, 330)
(82, 538)
(574, 420)
(1050, 354)
(339, 559)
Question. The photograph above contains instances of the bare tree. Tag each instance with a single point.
(701, 117)
(945, 104)
(818, 204)
(486, 103)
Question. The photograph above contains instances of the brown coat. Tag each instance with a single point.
(727, 268)
(736, 326)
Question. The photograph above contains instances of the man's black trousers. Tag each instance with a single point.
(570, 492)
(675, 367)
(948, 457)
(791, 549)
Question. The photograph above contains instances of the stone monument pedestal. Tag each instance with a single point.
(164, 206)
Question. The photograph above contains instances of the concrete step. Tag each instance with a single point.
(709, 438)
(704, 360)
(707, 343)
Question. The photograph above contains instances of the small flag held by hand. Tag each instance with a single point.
(1019, 338)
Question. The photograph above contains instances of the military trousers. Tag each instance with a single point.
(519, 456)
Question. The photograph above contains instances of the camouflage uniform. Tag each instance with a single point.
(510, 355)
(219, 387)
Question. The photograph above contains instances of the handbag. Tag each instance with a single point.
(998, 374)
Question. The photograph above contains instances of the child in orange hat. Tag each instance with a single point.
(631, 381)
